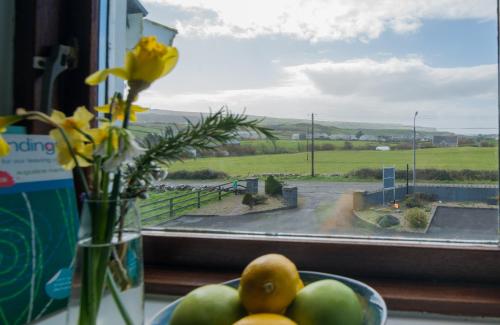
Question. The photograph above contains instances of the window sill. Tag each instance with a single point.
(411, 276)
(464, 299)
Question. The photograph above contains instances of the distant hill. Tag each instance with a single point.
(155, 119)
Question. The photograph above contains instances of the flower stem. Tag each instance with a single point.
(114, 292)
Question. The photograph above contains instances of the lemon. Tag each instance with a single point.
(265, 319)
(269, 284)
(209, 305)
(326, 302)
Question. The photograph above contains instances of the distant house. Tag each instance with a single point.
(445, 141)
(298, 136)
(248, 135)
(383, 148)
(321, 136)
(346, 137)
(367, 137)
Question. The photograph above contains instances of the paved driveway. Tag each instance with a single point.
(324, 209)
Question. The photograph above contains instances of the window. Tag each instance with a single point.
(387, 71)
(426, 78)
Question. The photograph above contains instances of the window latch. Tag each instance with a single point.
(62, 58)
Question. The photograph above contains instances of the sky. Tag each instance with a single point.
(344, 60)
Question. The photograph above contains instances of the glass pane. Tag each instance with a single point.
(404, 142)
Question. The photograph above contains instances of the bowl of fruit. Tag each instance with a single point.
(271, 291)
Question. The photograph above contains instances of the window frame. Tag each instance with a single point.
(178, 261)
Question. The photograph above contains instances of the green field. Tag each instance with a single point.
(340, 161)
(301, 145)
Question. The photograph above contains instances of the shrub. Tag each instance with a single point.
(197, 174)
(348, 145)
(412, 202)
(252, 200)
(416, 218)
(430, 174)
(387, 221)
(273, 186)
(327, 146)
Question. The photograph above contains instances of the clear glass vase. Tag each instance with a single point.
(108, 283)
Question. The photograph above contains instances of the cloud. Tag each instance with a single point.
(396, 79)
(361, 90)
(325, 20)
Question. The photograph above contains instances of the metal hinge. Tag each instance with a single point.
(62, 58)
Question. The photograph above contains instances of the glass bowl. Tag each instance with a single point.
(373, 304)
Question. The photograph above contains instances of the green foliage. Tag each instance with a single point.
(348, 145)
(418, 200)
(417, 218)
(170, 146)
(252, 200)
(388, 221)
(197, 174)
(359, 134)
(430, 174)
(273, 186)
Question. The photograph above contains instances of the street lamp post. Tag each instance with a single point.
(414, 150)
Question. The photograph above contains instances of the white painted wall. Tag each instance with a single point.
(116, 41)
(163, 34)
(7, 15)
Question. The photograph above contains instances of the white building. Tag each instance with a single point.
(126, 24)
(346, 137)
(383, 148)
(368, 137)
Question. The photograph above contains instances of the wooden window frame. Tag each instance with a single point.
(431, 277)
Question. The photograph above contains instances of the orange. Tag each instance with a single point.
(269, 284)
(265, 319)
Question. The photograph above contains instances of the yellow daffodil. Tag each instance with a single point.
(81, 149)
(105, 132)
(4, 122)
(118, 110)
(74, 125)
(149, 60)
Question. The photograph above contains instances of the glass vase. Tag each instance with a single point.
(108, 283)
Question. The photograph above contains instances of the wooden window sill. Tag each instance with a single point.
(464, 299)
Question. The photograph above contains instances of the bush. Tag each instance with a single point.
(327, 146)
(416, 218)
(273, 186)
(252, 200)
(412, 202)
(348, 146)
(430, 174)
(417, 200)
(387, 221)
(197, 174)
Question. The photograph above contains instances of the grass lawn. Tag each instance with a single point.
(343, 161)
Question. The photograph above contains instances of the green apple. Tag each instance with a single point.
(326, 302)
(213, 304)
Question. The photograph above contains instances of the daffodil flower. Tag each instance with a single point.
(74, 126)
(117, 110)
(147, 61)
(81, 149)
(4, 122)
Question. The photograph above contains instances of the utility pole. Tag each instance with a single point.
(414, 151)
(307, 144)
(312, 145)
